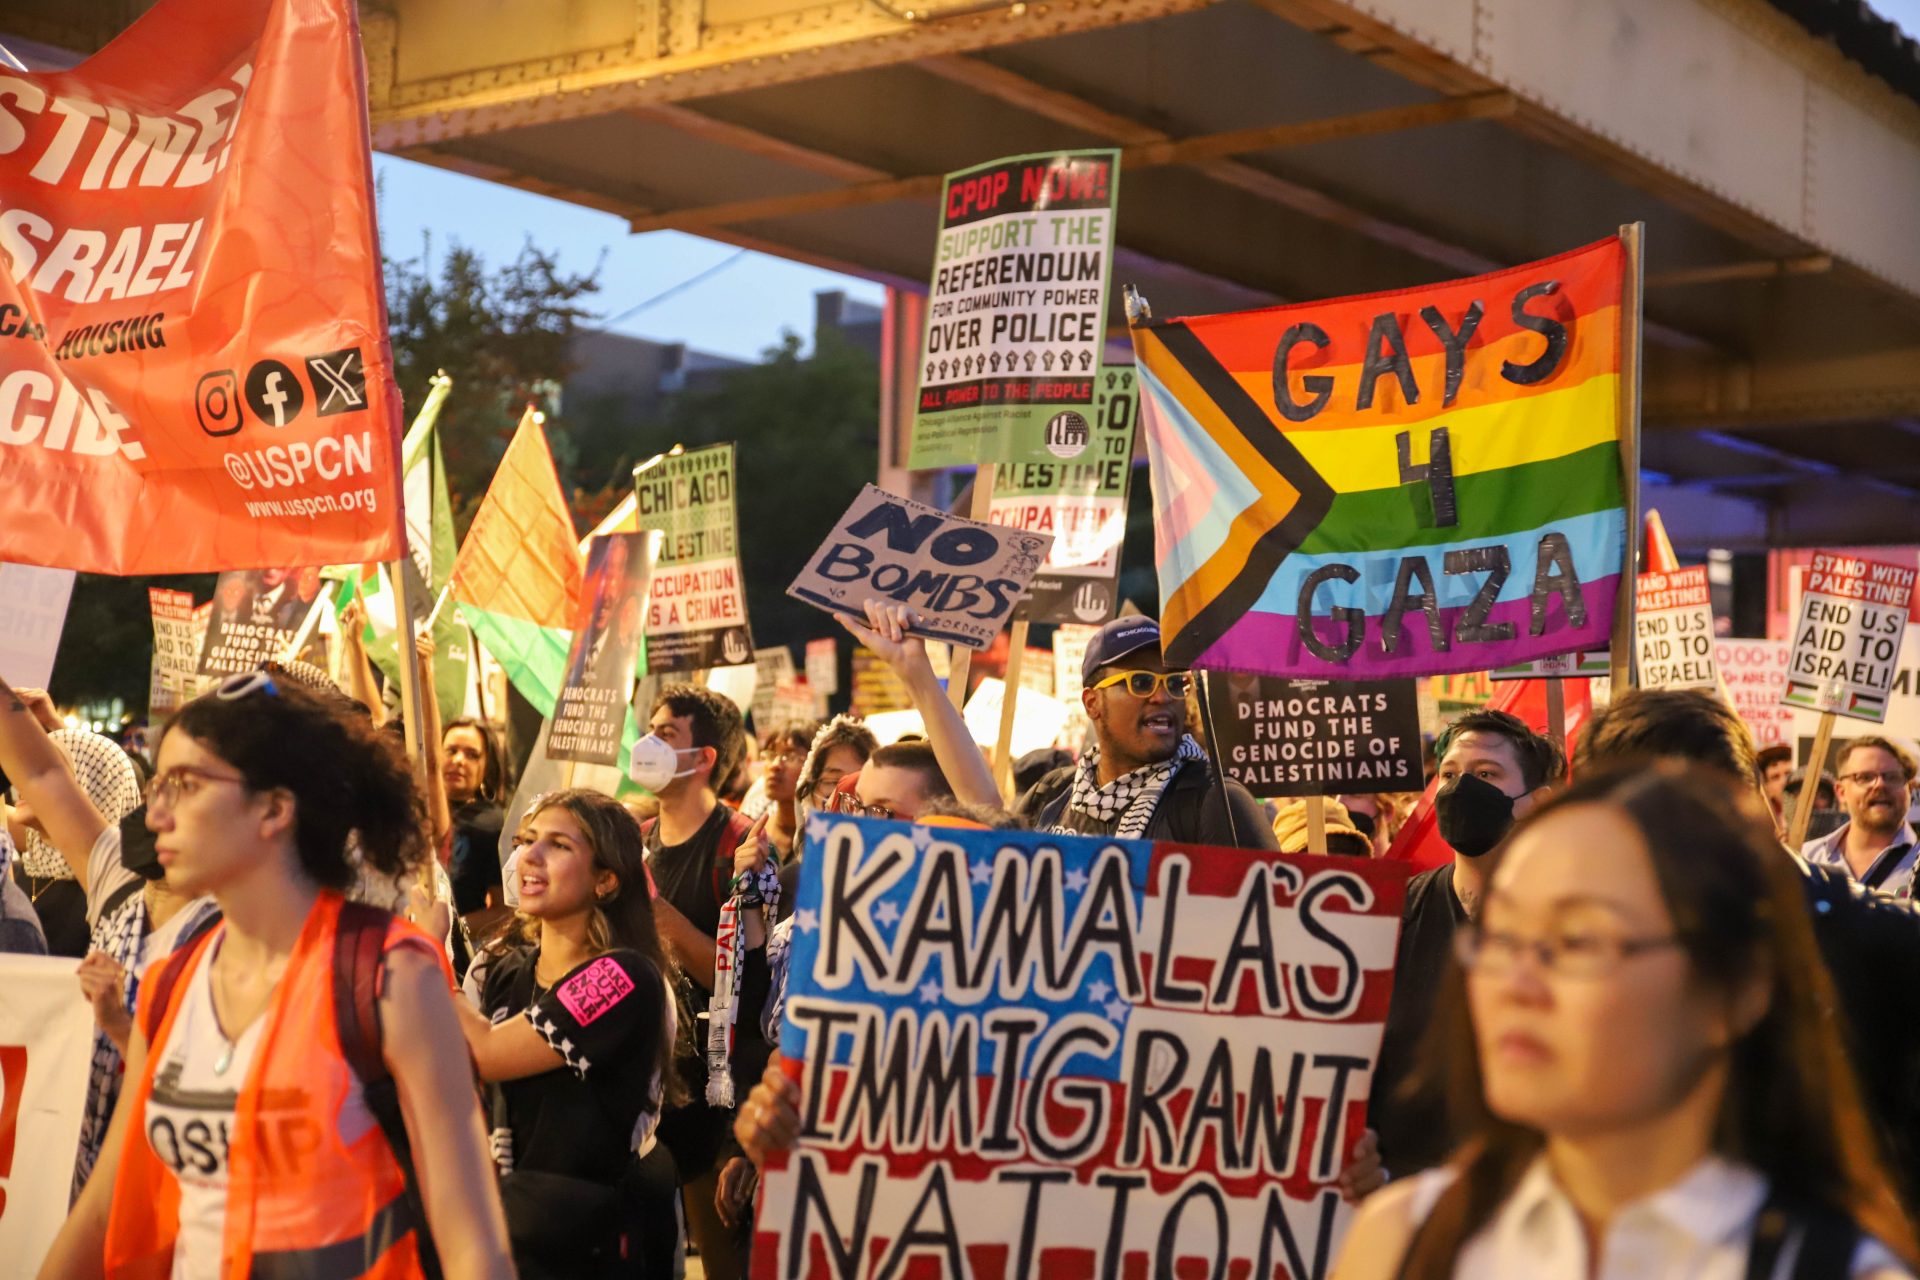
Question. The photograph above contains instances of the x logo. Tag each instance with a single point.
(339, 381)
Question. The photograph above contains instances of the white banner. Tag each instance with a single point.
(46, 1041)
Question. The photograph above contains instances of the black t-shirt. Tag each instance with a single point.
(606, 1018)
(1413, 1133)
(474, 864)
(685, 873)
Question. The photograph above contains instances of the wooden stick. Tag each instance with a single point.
(1557, 711)
(1631, 290)
(1810, 783)
(1009, 700)
(412, 697)
(962, 663)
(307, 625)
(1316, 824)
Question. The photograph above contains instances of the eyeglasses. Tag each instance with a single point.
(851, 806)
(247, 682)
(824, 787)
(1566, 954)
(181, 782)
(1144, 684)
(1866, 778)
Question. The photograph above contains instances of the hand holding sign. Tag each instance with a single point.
(887, 633)
(961, 577)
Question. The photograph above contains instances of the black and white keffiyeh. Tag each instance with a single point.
(1130, 798)
(105, 774)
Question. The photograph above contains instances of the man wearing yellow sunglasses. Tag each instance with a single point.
(1147, 778)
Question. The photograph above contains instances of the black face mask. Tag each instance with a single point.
(1363, 823)
(137, 851)
(1473, 814)
(1822, 822)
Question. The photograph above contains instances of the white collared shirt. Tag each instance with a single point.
(1895, 864)
(1699, 1228)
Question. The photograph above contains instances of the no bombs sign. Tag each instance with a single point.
(1846, 638)
(961, 577)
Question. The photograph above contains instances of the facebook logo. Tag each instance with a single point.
(274, 394)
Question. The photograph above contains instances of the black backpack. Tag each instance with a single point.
(358, 948)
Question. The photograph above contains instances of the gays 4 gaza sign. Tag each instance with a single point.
(196, 373)
(961, 577)
(1032, 1055)
(1846, 640)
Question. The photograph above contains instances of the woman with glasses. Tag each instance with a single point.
(245, 1141)
(840, 747)
(783, 753)
(1637, 1040)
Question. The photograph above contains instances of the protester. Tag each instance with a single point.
(1826, 817)
(259, 786)
(576, 1028)
(1773, 766)
(1639, 1055)
(784, 754)
(135, 912)
(1870, 943)
(20, 931)
(55, 876)
(1875, 845)
(474, 775)
(1493, 769)
(1145, 777)
(840, 747)
(694, 743)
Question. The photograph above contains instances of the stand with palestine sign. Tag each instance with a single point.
(1846, 646)
(1673, 630)
(1016, 316)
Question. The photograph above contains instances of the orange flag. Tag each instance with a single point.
(520, 558)
(194, 367)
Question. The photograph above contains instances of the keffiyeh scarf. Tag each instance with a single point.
(752, 891)
(1130, 798)
(105, 774)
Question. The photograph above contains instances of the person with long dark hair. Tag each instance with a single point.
(576, 1029)
(260, 1128)
(1636, 1047)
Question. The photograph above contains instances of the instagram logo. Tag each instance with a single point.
(216, 402)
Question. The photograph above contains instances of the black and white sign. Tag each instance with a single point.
(1282, 737)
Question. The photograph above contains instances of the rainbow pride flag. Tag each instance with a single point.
(1413, 483)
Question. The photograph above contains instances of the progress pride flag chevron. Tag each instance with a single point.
(1025, 1054)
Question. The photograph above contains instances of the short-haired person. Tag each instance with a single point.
(1145, 777)
(258, 788)
(1875, 845)
(575, 1026)
(695, 741)
(783, 754)
(1493, 769)
(1871, 944)
(1637, 1048)
(1773, 765)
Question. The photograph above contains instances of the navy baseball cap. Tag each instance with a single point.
(1116, 640)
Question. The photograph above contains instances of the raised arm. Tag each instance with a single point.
(46, 783)
(961, 759)
(360, 681)
(438, 811)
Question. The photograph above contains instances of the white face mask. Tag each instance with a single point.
(653, 761)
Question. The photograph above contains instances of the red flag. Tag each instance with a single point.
(194, 369)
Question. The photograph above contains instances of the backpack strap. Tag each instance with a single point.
(738, 825)
(162, 977)
(118, 898)
(359, 961)
(1820, 1241)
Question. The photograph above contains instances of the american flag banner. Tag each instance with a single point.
(1035, 1055)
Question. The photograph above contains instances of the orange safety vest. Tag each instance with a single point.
(304, 1199)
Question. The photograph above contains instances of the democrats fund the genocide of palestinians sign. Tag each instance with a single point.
(1281, 737)
(961, 577)
(1033, 1055)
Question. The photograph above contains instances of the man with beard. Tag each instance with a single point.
(1493, 768)
(1875, 846)
(1146, 778)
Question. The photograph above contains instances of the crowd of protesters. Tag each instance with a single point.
(1630, 1032)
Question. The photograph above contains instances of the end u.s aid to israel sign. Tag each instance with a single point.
(1032, 1055)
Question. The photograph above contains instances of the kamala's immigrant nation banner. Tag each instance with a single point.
(1416, 483)
(1083, 504)
(196, 371)
(696, 603)
(1038, 1055)
(1017, 312)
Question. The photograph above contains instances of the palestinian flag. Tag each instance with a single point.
(1414, 483)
